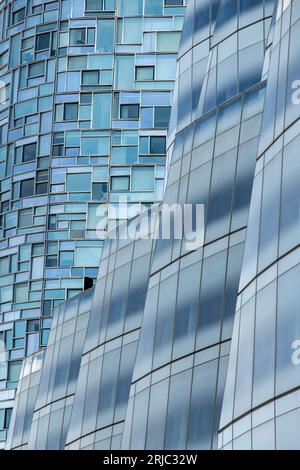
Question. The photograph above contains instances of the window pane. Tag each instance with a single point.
(153, 7)
(134, 7)
(42, 41)
(95, 146)
(120, 183)
(144, 73)
(36, 69)
(178, 410)
(142, 178)
(105, 35)
(27, 188)
(168, 41)
(124, 72)
(66, 258)
(157, 144)
(90, 77)
(21, 292)
(14, 370)
(4, 265)
(29, 152)
(162, 116)
(132, 31)
(33, 325)
(70, 112)
(18, 16)
(77, 36)
(130, 111)
(25, 218)
(79, 182)
(173, 2)
(101, 118)
(19, 329)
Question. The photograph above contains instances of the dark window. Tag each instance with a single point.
(94, 5)
(42, 175)
(51, 261)
(162, 116)
(5, 206)
(130, 111)
(37, 69)
(157, 144)
(29, 152)
(42, 188)
(27, 188)
(77, 36)
(42, 41)
(52, 222)
(90, 77)
(144, 73)
(8, 413)
(86, 98)
(173, 3)
(70, 112)
(47, 307)
(33, 325)
(18, 16)
(51, 6)
(58, 150)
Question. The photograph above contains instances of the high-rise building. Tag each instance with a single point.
(86, 93)
(158, 368)
(261, 407)
(179, 374)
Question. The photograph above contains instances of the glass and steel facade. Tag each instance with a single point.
(86, 93)
(55, 396)
(108, 358)
(199, 349)
(25, 400)
(181, 364)
(261, 405)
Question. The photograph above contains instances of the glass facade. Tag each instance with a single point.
(86, 93)
(261, 403)
(58, 380)
(25, 401)
(187, 325)
(108, 358)
(191, 349)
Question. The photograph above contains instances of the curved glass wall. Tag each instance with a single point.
(196, 37)
(58, 377)
(261, 403)
(107, 362)
(85, 96)
(179, 374)
(24, 404)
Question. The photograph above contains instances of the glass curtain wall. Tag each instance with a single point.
(85, 97)
(261, 403)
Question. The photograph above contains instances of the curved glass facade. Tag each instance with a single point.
(108, 358)
(182, 343)
(56, 391)
(261, 403)
(86, 92)
(24, 404)
(179, 374)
